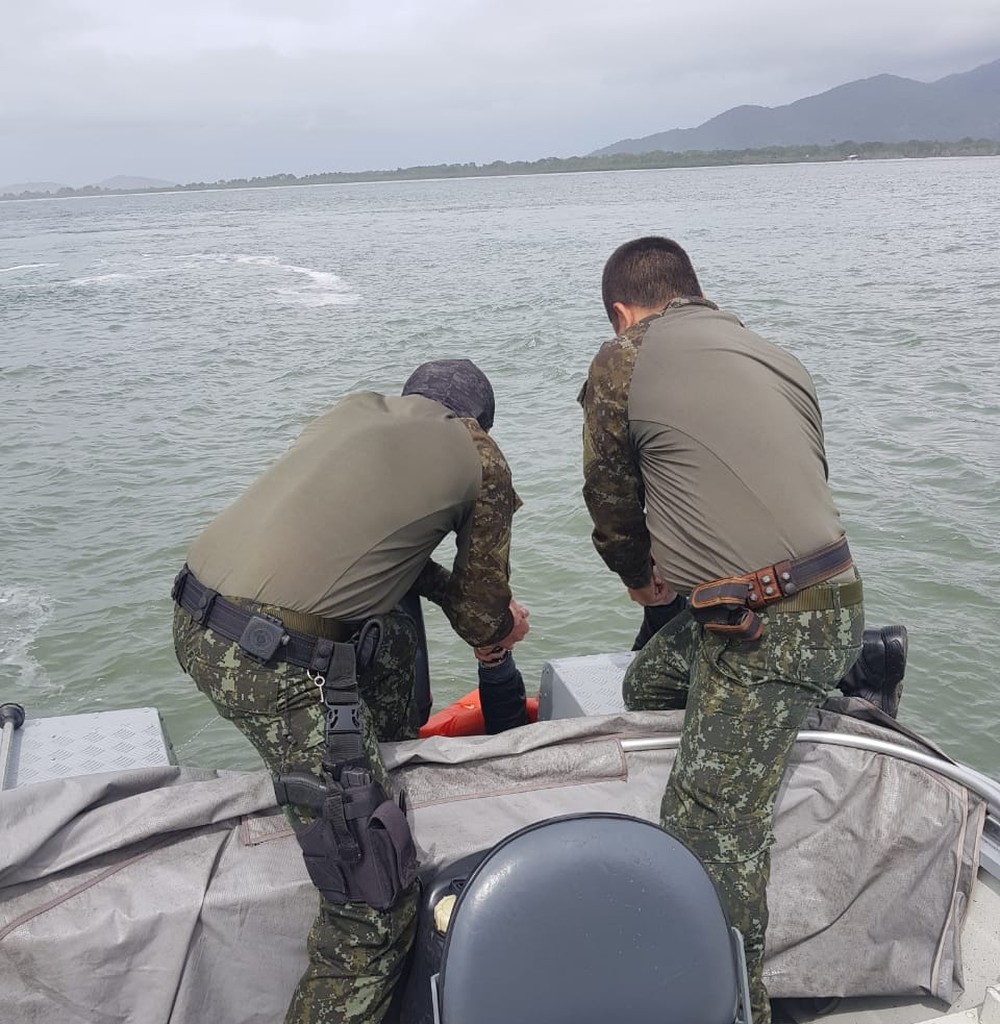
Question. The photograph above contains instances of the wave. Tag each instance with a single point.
(208, 257)
(23, 613)
(318, 287)
(26, 266)
(324, 289)
(305, 297)
(101, 278)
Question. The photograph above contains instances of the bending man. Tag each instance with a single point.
(287, 618)
(706, 476)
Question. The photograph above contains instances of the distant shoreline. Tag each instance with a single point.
(561, 165)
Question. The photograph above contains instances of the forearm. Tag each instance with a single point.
(480, 615)
(501, 696)
(612, 487)
(477, 599)
(620, 535)
(433, 582)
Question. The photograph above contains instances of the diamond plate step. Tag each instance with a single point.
(73, 745)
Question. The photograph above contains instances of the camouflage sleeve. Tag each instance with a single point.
(612, 485)
(432, 582)
(476, 595)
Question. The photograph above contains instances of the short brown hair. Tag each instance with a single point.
(647, 272)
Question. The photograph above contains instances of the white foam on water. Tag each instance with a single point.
(319, 287)
(102, 278)
(311, 297)
(23, 613)
(324, 288)
(208, 257)
(26, 266)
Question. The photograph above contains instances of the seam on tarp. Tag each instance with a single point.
(952, 924)
(250, 839)
(532, 786)
(44, 908)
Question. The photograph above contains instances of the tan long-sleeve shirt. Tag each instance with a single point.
(344, 524)
(703, 450)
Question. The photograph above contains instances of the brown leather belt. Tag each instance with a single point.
(728, 606)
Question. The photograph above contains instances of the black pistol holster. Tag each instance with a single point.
(359, 847)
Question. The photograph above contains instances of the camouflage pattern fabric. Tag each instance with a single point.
(612, 483)
(475, 595)
(744, 705)
(356, 953)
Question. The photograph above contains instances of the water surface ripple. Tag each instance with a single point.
(159, 351)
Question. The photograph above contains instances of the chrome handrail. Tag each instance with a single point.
(982, 785)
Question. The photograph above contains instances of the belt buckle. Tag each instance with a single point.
(770, 584)
(762, 588)
(262, 636)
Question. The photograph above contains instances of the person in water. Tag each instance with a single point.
(288, 618)
(706, 478)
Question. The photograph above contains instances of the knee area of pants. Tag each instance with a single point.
(721, 841)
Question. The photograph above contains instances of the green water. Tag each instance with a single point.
(158, 351)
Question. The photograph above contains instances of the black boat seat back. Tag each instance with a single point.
(587, 919)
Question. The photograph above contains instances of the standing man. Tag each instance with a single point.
(706, 477)
(287, 617)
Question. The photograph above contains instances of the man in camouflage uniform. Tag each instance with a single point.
(328, 540)
(704, 462)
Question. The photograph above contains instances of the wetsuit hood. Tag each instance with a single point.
(459, 385)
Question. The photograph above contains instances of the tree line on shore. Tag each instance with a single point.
(562, 165)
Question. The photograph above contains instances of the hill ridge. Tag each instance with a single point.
(879, 108)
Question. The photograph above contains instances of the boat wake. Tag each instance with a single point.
(324, 288)
(102, 279)
(26, 266)
(286, 283)
(23, 613)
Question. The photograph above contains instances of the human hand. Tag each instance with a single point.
(495, 653)
(656, 592)
(520, 628)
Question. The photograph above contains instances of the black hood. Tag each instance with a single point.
(459, 385)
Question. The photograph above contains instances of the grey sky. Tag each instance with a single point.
(202, 89)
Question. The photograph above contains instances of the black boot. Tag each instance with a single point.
(877, 676)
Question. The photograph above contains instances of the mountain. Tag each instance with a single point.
(120, 183)
(885, 108)
(30, 186)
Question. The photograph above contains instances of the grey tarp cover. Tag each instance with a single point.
(178, 895)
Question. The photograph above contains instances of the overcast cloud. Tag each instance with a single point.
(203, 89)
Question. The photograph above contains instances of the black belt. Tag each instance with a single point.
(260, 636)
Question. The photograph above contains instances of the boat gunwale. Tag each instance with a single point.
(975, 781)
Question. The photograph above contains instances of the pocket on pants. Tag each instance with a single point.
(813, 648)
(235, 684)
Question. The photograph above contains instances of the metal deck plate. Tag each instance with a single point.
(72, 745)
(590, 685)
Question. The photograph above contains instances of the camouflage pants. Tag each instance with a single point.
(356, 953)
(744, 705)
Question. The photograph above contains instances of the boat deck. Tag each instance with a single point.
(56, 748)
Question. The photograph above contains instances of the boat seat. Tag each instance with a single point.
(586, 919)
